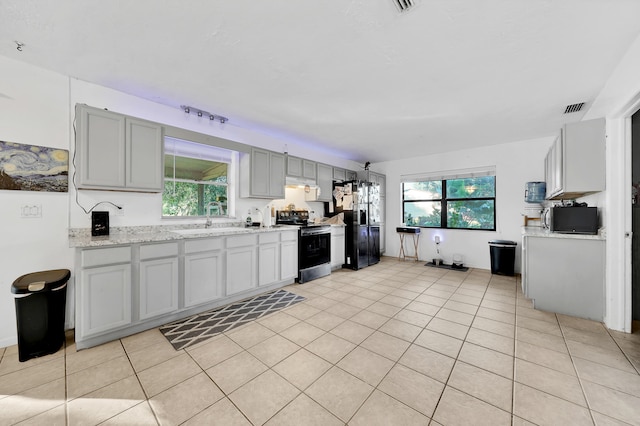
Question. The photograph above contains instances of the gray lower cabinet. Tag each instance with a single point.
(116, 152)
(158, 281)
(122, 290)
(203, 271)
(337, 246)
(241, 263)
(565, 275)
(269, 258)
(288, 255)
(103, 296)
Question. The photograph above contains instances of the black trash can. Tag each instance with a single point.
(503, 256)
(40, 307)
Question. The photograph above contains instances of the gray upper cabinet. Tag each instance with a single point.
(301, 168)
(351, 175)
(144, 156)
(294, 166)
(309, 170)
(116, 152)
(325, 181)
(575, 164)
(262, 174)
(339, 174)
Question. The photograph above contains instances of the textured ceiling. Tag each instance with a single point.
(356, 78)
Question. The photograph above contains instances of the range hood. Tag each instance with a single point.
(298, 182)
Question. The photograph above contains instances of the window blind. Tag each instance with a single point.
(450, 174)
(182, 148)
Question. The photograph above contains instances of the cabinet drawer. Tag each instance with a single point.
(241, 241)
(198, 245)
(269, 237)
(289, 236)
(105, 256)
(153, 251)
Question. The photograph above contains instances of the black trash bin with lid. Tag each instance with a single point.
(40, 307)
(503, 256)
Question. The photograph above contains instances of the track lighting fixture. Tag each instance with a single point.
(202, 113)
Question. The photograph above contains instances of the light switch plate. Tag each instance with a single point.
(31, 211)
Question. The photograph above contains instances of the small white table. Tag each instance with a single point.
(415, 234)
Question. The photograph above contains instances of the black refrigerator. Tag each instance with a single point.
(360, 203)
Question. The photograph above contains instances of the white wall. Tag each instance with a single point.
(34, 105)
(617, 101)
(516, 163)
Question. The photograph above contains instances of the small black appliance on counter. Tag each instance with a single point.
(574, 220)
(99, 223)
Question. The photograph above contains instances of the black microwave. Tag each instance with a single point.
(574, 220)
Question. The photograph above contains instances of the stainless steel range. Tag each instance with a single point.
(314, 244)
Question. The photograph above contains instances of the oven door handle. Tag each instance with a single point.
(305, 232)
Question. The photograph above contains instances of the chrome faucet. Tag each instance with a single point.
(208, 223)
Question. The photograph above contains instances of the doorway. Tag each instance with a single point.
(635, 216)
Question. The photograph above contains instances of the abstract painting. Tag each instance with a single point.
(33, 168)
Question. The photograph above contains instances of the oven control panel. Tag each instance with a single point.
(292, 217)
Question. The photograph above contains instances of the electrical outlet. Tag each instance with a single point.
(31, 211)
(119, 211)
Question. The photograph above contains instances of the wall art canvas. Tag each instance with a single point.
(33, 168)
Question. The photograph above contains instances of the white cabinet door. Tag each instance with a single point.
(105, 299)
(294, 166)
(276, 175)
(309, 169)
(202, 278)
(351, 175)
(259, 173)
(267, 174)
(289, 259)
(575, 164)
(299, 167)
(566, 275)
(325, 181)
(117, 152)
(337, 247)
(158, 287)
(339, 174)
(241, 269)
(144, 157)
(100, 148)
(268, 260)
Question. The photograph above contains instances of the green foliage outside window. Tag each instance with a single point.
(468, 203)
(193, 199)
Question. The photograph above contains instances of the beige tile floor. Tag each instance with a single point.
(397, 343)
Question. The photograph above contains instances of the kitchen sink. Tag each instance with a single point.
(210, 231)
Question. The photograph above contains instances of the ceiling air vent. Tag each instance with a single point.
(403, 5)
(573, 108)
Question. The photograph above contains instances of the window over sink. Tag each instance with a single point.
(197, 179)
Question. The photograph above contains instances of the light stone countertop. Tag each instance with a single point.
(81, 237)
(536, 231)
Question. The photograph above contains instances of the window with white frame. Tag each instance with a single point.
(196, 179)
(463, 199)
